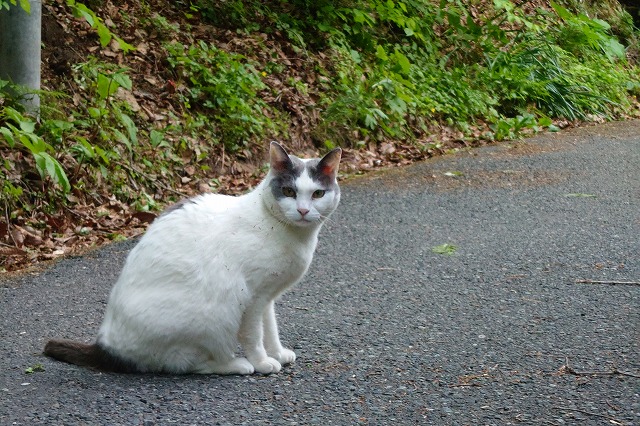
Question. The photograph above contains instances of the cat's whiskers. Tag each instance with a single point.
(326, 218)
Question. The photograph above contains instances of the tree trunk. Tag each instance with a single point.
(20, 50)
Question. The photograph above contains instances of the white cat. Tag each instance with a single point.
(206, 274)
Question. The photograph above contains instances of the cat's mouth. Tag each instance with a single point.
(304, 222)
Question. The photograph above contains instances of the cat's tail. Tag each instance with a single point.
(88, 355)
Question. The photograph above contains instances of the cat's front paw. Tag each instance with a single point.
(267, 365)
(284, 356)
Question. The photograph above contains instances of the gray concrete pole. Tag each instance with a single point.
(20, 34)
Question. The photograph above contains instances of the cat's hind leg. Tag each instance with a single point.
(240, 366)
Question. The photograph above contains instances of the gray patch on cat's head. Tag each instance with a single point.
(319, 171)
(286, 177)
(316, 174)
(297, 165)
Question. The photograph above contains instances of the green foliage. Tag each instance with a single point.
(584, 36)
(19, 132)
(511, 128)
(56, 144)
(393, 52)
(538, 74)
(446, 249)
(107, 118)
(24, 4)
(92, 140)
(161, 26)
(36, 368)
(80, 10)
(224, 86)
(401, 64)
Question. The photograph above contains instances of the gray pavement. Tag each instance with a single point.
(387, 331)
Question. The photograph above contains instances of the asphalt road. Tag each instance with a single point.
(387, 331)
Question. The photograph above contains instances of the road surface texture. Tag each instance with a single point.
(387, 331)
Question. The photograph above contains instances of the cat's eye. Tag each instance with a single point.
(288, 192)
(317, 194)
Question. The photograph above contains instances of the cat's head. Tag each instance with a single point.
(302, 192)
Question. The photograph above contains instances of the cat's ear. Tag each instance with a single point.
(278, 158)
(329, 164)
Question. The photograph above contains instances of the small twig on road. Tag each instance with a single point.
(608, 282)
(614, 407)
(465, 385)
(614, 372)
(566, 368)
(604, 416)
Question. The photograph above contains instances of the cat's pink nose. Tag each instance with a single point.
(303, 211)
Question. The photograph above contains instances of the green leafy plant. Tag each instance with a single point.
(446, 249)
(107, 117)
(582, 34)
(80, 10)
(24, 4)
(511, 128)
(226, 86)
(18, 132)
(400, 64)
(36, 368)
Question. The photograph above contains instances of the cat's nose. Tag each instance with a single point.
(303, 211)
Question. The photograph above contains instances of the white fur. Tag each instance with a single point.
(204, 278)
